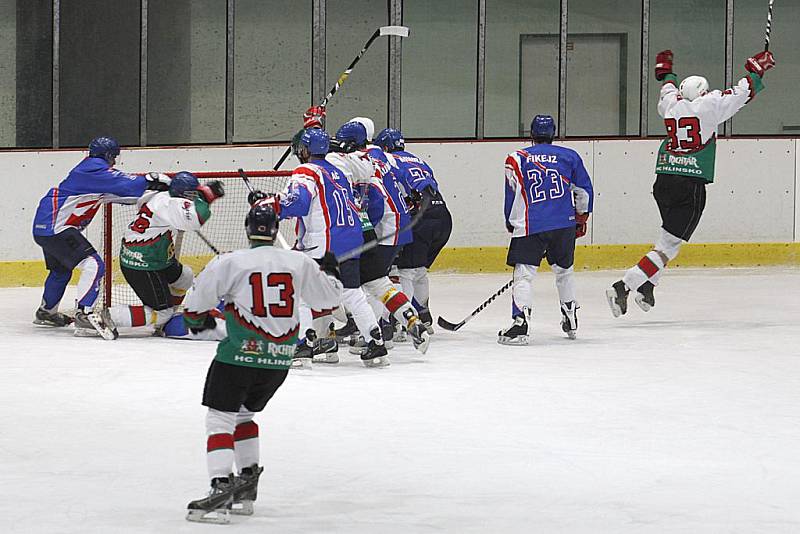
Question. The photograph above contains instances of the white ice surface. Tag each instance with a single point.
(686, 419)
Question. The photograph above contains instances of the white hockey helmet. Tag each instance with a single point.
(693, 87)
(368, 125)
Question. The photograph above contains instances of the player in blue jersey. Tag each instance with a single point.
(62, 216)
(548, 199)
(431, 232)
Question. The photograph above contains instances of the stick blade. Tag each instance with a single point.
(400, 31)
(447, 325)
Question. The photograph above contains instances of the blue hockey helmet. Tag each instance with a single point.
(316, 140)
(543, 127)
(182, 185)
(390, 139)
(261, 223)
(104, 147)
(353, 132)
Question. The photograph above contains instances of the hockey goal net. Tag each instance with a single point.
(224, 230)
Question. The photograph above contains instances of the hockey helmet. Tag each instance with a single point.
(316, 140)
(352, 132)
(104, 147)
(369, 126)
(543, 127)
(183, 184)
(261, 223)
(296, 141)
(693, 87)
(390, 139)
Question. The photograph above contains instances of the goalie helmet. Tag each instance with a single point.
(693, 87)
(369, 126)
(104, 147)
(261, 223)
(390, 139)
(543, 128)
(183, 184)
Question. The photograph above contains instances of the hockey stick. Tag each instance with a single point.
(447, 325)
(399, 31)
(281, 240)
(205, 240)
(769, 26)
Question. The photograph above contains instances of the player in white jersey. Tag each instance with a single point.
(685, 164)
(147, 255)
(261, 287)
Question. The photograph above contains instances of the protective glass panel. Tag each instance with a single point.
(99, 58)
(272, 68)
(603, 67)
(186, 71)
(521, 64)
(439, 68)
(775, 110)
(365, 93)
(695, 32)
(26, 88)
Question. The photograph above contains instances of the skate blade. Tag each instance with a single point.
(611, 296)
(329, 358)
(39, 322)
(109, 334)
(303, 364)
(380, 361)
(358, 351)
(244, 507)
(422, 346)
(514, 341)
(572, 334)
(85, 332)
(639, 299)
(219, 516)
(388, 343)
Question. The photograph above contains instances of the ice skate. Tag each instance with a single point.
(358, 345)
(516, 334)
(569, 318)
(347, 331)
(216, 507)
(420, 337)
(375, 354)
(618, 298)
(303, 356)
(93, 323)
(325, 350)
(387, 330)
(427, 320)
(644, 296)
(246, 490)
(400, 334)
(46, 318)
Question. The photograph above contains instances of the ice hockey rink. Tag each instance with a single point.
(685, 419)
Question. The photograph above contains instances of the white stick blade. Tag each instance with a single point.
(401, 31)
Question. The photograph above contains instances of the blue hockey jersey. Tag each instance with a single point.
(413, 173)
(542, 184)
(76, 200)
(397, 212)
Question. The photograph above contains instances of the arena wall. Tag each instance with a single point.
(751, 216)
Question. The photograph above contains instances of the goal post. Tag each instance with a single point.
(225, 229)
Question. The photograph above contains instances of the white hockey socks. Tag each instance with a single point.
(179, 287)
(565, 283)
(415, 284)
(135, 316)
(395, 302)
(92, 270)
(651, 266)
(356, 303)
(245, 440)
(220, 427)
(522, 290)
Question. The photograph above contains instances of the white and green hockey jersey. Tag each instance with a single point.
(148, 243)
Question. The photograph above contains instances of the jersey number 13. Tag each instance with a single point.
(283, 281)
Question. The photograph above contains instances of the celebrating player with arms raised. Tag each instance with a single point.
(684, 166)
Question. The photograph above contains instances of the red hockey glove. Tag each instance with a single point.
(313, 117)
(581, 220)
(760, 63)
(270, 200)
(212, 191)
(663, 64)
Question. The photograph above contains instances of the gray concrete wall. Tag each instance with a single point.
(8, 73)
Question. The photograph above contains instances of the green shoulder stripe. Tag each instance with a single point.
(202, 208)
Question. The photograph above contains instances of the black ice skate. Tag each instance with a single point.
(348, 330)
(93, 322)
(427, 320)
(246, 490)
(644, 296)
(325, 350)
(516, 334)
(617, 298)
(304, 352)
(569, 318)
(375, 354)
(216, 507)
(419, 335)
(47, 318)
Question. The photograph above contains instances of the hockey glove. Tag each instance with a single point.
(663, 64)
(760, 63)
(581, 220)
(313, 117)
(212, 191)
(209, 323)
(255, 196)
(330, 265)
(509, 227)
(157, 181)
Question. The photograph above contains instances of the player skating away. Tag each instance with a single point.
(548, 199)
(261, 287)
(147, 256)
(384, 205)
(684, 165)
(62, 216)
(319, 196)
(431, 232)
